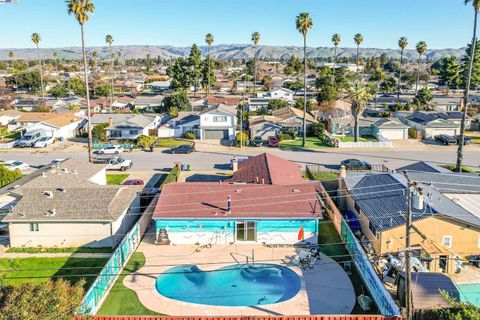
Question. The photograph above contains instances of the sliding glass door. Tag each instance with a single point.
(246, 231)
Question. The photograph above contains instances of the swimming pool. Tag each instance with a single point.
(470, 293)
(234, 285)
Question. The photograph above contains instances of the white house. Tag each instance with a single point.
(8, 117)
(130, 126)
(431, 125)
(282, 93)
(70, 205)
(262, 99)
(148, 103)
(59, 125)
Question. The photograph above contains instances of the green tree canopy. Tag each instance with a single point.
(178, 100)
(99, 133)
(423, 98)
(8, 176)
(208, 73)
(475, 80)
(180, 74)
(195, 67)
(449, 72)
(78, 86)
(103, 90)
(275, 104)
(389, 85)
(59, 90)
(26, 79)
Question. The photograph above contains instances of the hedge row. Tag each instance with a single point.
(171, 177)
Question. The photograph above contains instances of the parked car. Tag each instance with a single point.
(184, 148)
(133, 182)
(111, 150)
(43, 142)
(29, 139)
(273, 141)
(446, 139)
(116, 163)
(57, 161)
(14, 164)
(466, 140)
(256, 142)
(355, 164)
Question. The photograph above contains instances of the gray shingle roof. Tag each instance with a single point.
(135, 121)
(449, 182)
(103, 203)
(423, 166)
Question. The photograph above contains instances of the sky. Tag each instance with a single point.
(441, 23)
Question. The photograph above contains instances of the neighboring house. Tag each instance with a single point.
(8, 117)
(70, 205)
(448, 222)
(431, 125)
(264, 126)
(148, 103)
(244, 86)
(292, 118)
(130, 126)
(182, 123)
(122, 103)
(215, 123)
(158, 86)
(262, 99)
(26, 104)
(59, 125)
(211, 101)
(389, 128)
(272, 205)
(446, 103)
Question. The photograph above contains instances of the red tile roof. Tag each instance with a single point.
(269, 169)
(209, 200)
(232, 101)
(303, 317)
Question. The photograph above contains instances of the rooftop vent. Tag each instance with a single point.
(296, 190)
(74, 172)
(65, 170)
(48, 194)
(44, 174)
(62, 190)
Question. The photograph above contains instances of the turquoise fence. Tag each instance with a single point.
(380, 295)
(105, 145)
(99, 290)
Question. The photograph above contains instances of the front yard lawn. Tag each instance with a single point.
(361, 139)
(453, 168)
(116, 178)
(475, 136)
(60, 250)
(322, 176)
(169, 142)
(122, 300)
(37, 270)
(312, 142)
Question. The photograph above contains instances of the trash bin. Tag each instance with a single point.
(188, 167)
(61, 138)
(151, 148)
(183, 167)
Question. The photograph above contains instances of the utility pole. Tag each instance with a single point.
(408, 225)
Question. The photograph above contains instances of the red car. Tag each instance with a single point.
(133, 182)
(272, 141)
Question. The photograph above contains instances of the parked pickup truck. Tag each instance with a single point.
(116, 163)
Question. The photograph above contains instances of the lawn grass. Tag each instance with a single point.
(122, 300)
(169, 142)
(361, 139)
(60, 250)
(116, 178)
(312, 142)
(453, 168)
(475, 136)
(37, 270)
(323, 176)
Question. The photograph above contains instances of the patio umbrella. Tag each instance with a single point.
(301, 234)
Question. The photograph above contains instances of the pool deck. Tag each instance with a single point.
(326, 289)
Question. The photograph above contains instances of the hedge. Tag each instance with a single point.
(8, 176)
(171, 177)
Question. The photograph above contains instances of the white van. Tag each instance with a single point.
(29, 139)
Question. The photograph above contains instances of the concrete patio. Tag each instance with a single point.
(325, 289)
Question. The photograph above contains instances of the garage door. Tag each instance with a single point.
(448, 132)
(393, 134)
(216, 134)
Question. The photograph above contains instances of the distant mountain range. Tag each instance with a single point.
(224, 51)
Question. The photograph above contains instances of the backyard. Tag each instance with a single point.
(312, 142)
(40, 269)
(122, 300)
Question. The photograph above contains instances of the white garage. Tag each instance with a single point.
(433, 132)
(389, 128)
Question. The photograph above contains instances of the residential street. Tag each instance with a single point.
(209, 157)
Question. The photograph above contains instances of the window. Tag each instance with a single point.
(372, 229)
(132, 132)
(34, 227)
(219, 119)
(447, 241)
(115, 133)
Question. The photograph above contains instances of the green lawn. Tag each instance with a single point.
(122, 300)
(18, 271)
(475, 136)
(361, 139)
(169, 142)
(453, 167)
(322, 176)
(60, 250)
(116, 178)
(312, 142)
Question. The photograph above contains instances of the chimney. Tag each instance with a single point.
(110, 121)
(343, 172)
(229, 205)
(235, 164)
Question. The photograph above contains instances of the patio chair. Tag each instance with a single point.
(301, 256)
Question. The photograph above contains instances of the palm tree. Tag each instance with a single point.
(80, 9)
(208, 41)
(304, 23)
(36, 40)
(466, 96)
(336, 41)
(402, 43)
(55, 57)
(421, 49)
(255, 40)
(358, 38)
(359, 94)
(11, 55)
(109, 41)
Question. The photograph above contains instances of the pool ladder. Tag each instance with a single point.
(247, 258)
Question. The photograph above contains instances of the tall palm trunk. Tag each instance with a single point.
(466, 96)
(208, 74)
(418, 75)
(358, 53)
(400, 75)
(304, 136)
(112, 73)
(334, 64)
(87, 93)
(255, 71)
(41, 73)
(357, 129)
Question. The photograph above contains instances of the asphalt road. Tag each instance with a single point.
(145, 161)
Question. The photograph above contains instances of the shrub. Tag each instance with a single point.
(243, 137)
(288, 136)
(8, 176)
(189, 135)
(145, 141)
(99, 133)
(171, 177)
(280, 136)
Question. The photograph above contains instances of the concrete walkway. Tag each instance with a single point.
(55, 255)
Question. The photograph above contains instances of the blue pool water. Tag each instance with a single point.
(470, 293)
(235, 285)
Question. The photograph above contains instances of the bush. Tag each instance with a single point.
(243, 137)
(8, 176)
(145, 141)
(280, 136)
(99, 133)
(189, 135)
(288, 136)
(171, 177)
